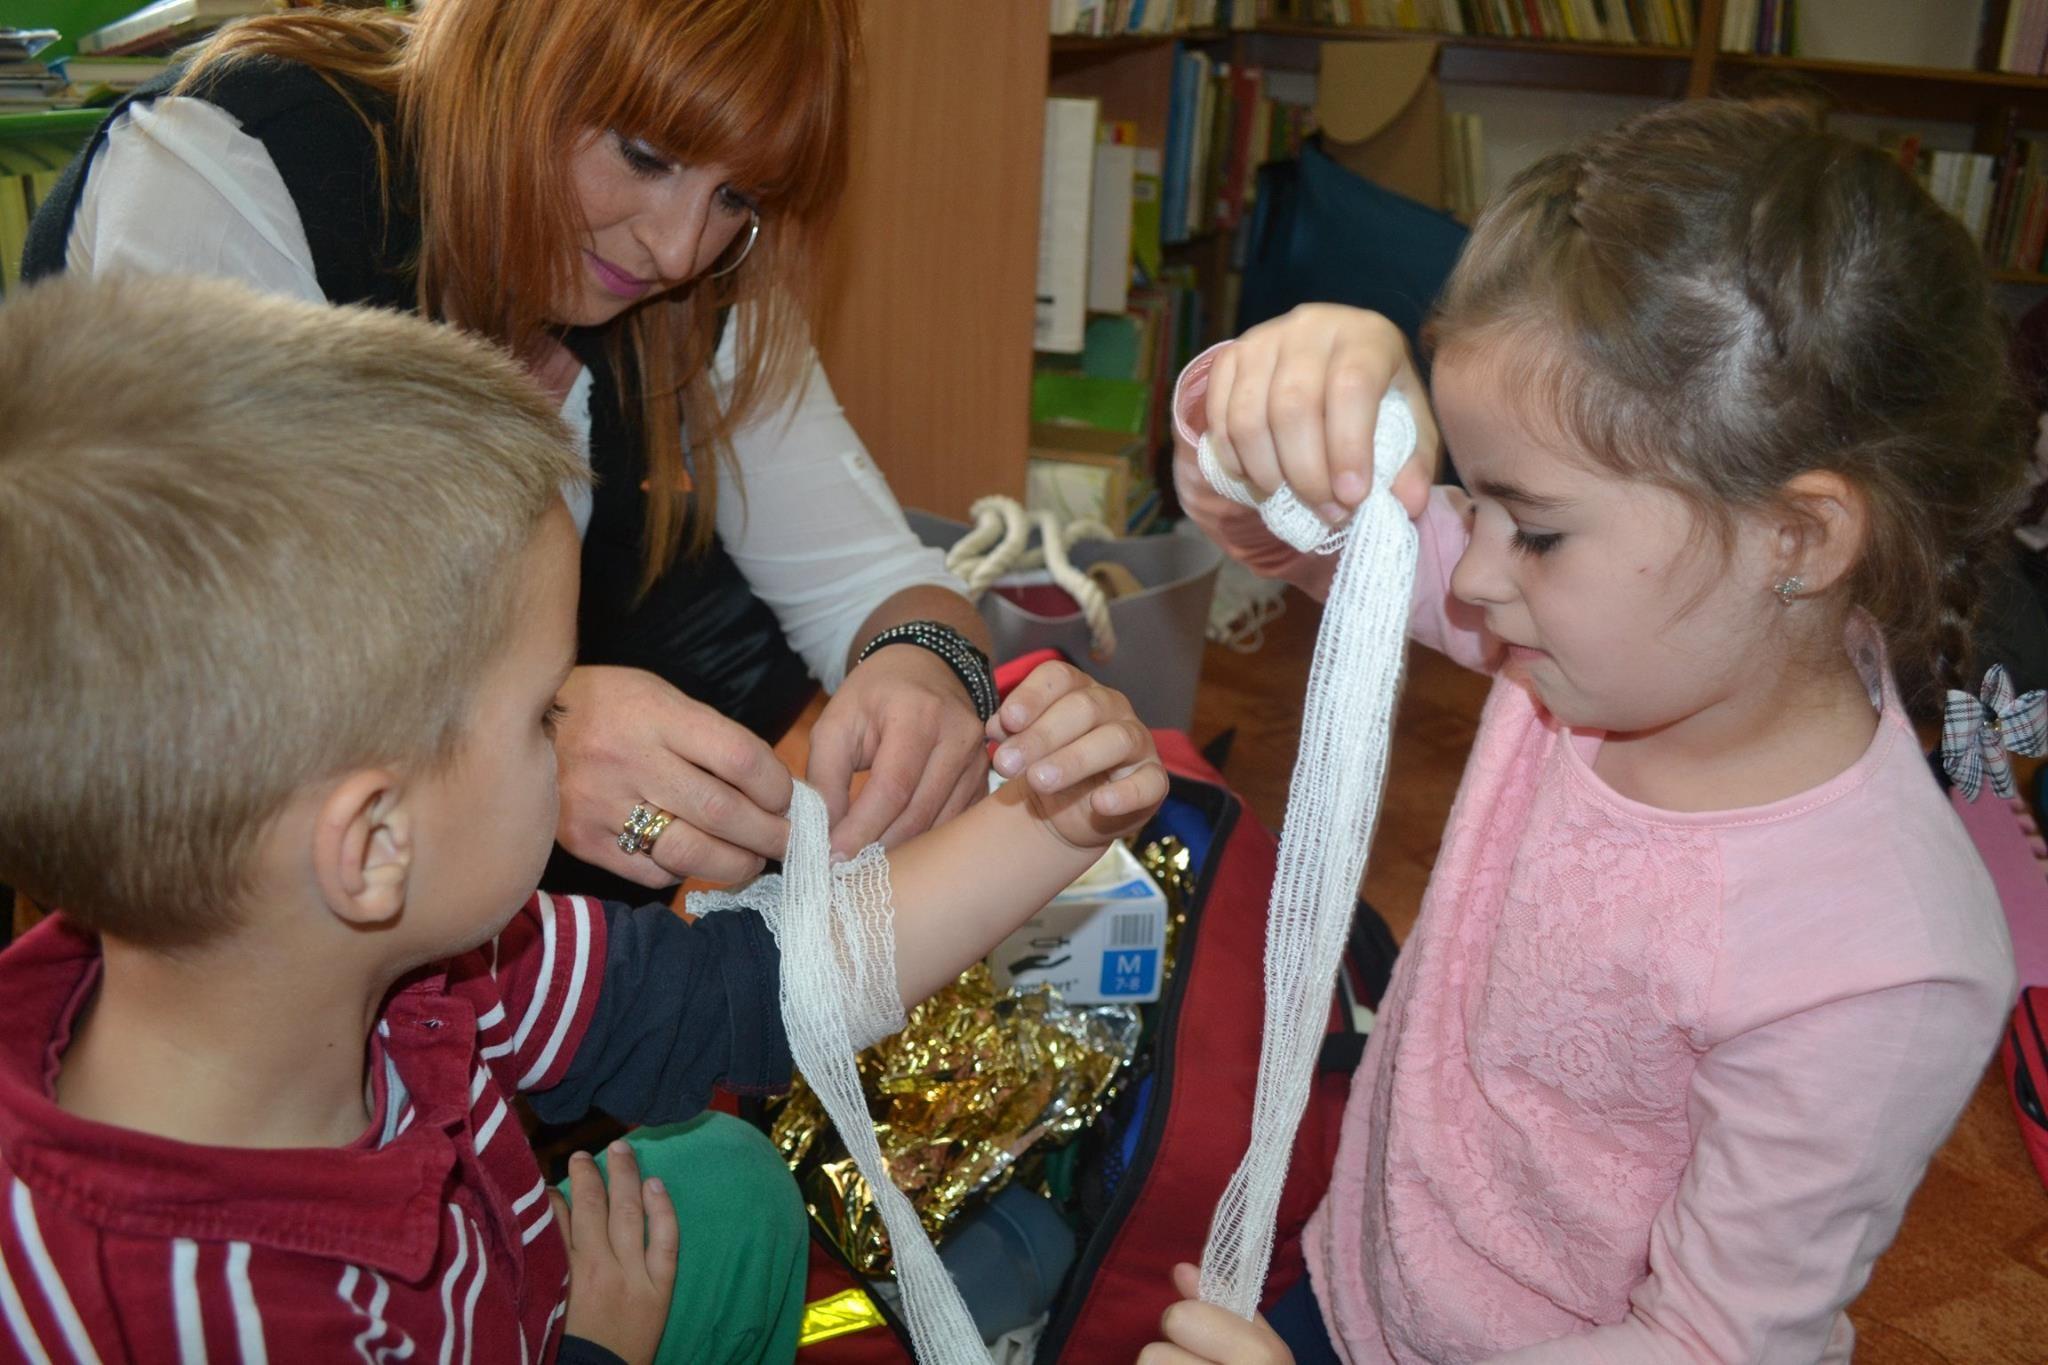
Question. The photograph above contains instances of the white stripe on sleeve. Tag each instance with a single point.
(547, 1216)
(525, 1201)
(542, 981)
(54, 1292)
(491, 1017)
(185, 1301)
(248, 1322)
(16, 1313)
(580, 909)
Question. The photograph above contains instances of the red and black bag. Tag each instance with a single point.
(2024, 1055)
(1156, 1164)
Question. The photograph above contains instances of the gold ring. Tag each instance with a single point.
(642, 828)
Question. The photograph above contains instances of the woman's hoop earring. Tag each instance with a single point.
(746, 247)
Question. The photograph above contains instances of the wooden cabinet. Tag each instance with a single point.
(927, 330)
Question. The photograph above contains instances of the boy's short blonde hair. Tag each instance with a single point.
(246, 543)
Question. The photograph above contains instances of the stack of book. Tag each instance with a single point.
(2023, 44)
(1657, 23)
(1222, 124)
(1100, 415)
(26, 83)
(1113, 18)
(2001, 197)
(2015, 233)
(1116, 316)
(115, 58)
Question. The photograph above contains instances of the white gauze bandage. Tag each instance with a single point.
(1332, 805)
(835, 927)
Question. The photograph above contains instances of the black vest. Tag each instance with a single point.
(700, 626)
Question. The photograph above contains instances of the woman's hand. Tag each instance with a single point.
(904, 718)
(622, 1255)
(1294, 401)
(627, 738)
(1089, 765)
(1199, 1333)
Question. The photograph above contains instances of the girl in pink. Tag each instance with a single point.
(1708, 967)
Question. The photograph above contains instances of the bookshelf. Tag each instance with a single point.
(940, 453)
(927, 332)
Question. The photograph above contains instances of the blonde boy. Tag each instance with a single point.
(286, 593)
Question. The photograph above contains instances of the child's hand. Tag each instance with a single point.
(622, 1255)
(1199, 1333)
(1090, 768)
(1294, 401)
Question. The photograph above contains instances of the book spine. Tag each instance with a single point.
(1977, 204)
(2035, 239)
(1173, 207)
(1247, 92)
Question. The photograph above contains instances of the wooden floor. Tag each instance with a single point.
(1966, 1283)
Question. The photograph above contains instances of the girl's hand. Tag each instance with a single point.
(903, 718)
(1200, 1333)
(1089, 766)
(627, 738)
(622, 1255)
(1294, 401)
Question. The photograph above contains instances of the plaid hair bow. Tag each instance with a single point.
(1977, 733)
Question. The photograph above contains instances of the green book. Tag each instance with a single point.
(1088, 401)
(1111, 347)
(1146, 252)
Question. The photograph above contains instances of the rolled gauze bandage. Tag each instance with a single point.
(1332, 806)
(1286, 516)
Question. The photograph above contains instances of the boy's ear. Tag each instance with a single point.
(1821, 536)
(363, 849)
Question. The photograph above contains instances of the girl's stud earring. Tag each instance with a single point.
(1789, 588)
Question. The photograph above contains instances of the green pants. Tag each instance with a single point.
(740, 1272)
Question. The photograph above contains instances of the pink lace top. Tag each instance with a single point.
(1647, 1086)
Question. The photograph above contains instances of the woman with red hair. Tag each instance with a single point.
(631, 196)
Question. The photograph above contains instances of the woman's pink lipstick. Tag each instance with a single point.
(616, 280)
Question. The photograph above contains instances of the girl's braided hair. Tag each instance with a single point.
(1725, 296)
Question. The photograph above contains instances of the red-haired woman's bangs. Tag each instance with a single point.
(762, 89)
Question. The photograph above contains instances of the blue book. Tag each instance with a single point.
(1180, 145)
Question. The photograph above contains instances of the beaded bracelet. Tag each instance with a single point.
(968, 663)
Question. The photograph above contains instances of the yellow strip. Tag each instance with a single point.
(842, 1314)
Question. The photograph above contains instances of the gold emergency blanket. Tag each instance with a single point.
(976, 1079)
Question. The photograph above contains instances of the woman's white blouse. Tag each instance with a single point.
(179, 188)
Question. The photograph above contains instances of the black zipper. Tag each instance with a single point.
(1054, 1342)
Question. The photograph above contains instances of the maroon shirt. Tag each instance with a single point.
(431, 1238)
